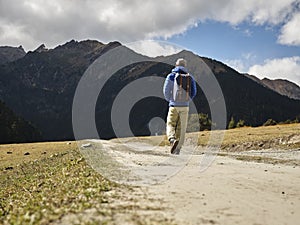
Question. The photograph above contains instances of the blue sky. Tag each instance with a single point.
(260, 37)
(223, 41)
(242, 46)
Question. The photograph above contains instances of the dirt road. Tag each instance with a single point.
(233, 192)
(230, 191)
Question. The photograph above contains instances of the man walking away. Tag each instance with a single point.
(179, 89)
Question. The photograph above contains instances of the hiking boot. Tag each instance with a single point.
(177, 151)
(174, 146)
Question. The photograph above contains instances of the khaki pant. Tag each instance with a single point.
(177, 123)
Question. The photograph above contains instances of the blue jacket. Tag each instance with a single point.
(169, 85)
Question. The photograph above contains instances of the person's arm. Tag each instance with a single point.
(193, 88)
(168, 88)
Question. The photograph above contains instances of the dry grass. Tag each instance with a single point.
(14, 154)
(60, 186)
(260, 134)
(39, 192)
(54, 180)
(239, 139)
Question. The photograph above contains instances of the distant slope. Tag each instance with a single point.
(283, 87)
(14, 129)
(40, 87)
(10, 54)
(247, 100)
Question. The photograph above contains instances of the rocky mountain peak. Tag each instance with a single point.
(10, 54)
(21, 48)
(86, 45)
(283, 87)
(41, 48)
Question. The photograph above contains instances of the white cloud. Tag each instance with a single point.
(53, 22)
(154, 48)
(11, 34)
(290, 32)
(242, 65)
(256, 11)
(284, 68)
(237, 64)
(273, 12)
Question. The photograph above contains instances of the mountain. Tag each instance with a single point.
(249, 101)
(41, 85)
(283, 87)
(254, 78)
(41, 48)
(15, 129)
(10, 54)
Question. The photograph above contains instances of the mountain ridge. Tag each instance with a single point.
(281, 86)
(9, 54)
(284, 87)
(40, 87)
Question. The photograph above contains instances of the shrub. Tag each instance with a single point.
(231, 124)
(270, 122)
(199, 122)
(240, 123)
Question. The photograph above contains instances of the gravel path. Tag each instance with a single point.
(229, 191)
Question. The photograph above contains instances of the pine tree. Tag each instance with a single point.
(231, 124)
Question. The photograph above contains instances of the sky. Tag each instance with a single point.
(259, 37)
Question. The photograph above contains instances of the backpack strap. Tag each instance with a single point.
(180, 85)
(188, 88)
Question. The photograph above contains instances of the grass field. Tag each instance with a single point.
(245, 138)
(42, 182)
(41, 191)
(43, 188)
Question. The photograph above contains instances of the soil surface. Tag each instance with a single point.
(203, 185)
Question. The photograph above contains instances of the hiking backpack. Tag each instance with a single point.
(182, 87)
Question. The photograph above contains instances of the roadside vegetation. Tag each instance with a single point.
(41, 191)
(42, 183)
(284, 136)
(59, 187)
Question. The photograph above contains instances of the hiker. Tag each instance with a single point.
(179, 89)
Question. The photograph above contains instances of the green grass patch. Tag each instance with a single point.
(40, 192)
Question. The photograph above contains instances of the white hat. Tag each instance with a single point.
(181, 62)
